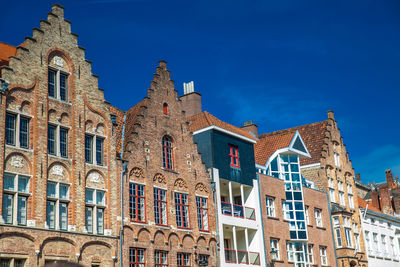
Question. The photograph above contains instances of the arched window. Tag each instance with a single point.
(165, 108)
(168, 161)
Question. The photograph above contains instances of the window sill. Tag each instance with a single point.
(166, 227)
(184, 229)
(59, 157)
(321, 227)
(61, 101)
(273, 218)
(204, 232)
(19, 148)
(168, 170)
(280, 261)
(139, 223)
(95, 165)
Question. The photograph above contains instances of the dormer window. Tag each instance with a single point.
(234, 155)
(165, 109)
(58, 84)
(168, 160)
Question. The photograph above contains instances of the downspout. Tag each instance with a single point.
(213, 186)
(333, 234)
(261, 220)
(121, 232)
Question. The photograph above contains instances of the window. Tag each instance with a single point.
(336, 221)
(57, 141)
(58, 84)
(349, 189)
(234, 155)
(165, 109)
(318, 217)
(341, 198)
(332, 195)
(368, 242)
(375, 242)
(330, 182)
(168, 160)
(94, 211)
(160, 206)
(298, 253)
(270, 206)
(203, 260)
(136, 257)
(161, 258)
(357, 241)
(15, 198)
(338, 238)
(182, 210)
(202, 213)
(393, 248)
(307, 215)
(183, 259)
(384, 248)
(337, 159)
(287, 210)
(351, 201)
(275, 248)
(324, 257)
(137, 200)
(57, 206)
(94, 149)
(17, 130)
(8, 262)
(310, 254)
(347, 233)
(290, 251)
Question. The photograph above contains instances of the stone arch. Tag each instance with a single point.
(9, 239)
(180, 183)
(173, 241)
(212, 244)
(52, 115)
(137, 172)
(201, 242)
(159, 238)
(63, 54)
(11, 103)
(89, 126)
(64, 118)
(96, 252)
(187, 241)
(95, 179)
(143, 235)
(56, 170)
(58, 246)
(24, 235)
(100, 129)
(18, 163)
(25, 107)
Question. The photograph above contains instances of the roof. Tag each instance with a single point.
(374, 211)
(6, 51)
(312, 134)
(204, 119)
(363, 204)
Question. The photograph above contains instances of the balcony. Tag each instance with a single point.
(243, 257)
(238, 211)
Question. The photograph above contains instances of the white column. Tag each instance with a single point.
(234, 240)
(246, 237)
(230, 192)
(242, 194)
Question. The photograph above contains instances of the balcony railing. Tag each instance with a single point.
(243, 257)
(238, 211)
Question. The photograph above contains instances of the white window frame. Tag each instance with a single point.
(310, 254)
(306, 214)
(270, 204)
(12, 260)
(332, 195)
(339, 240)
(57, 91)
(274, 243)
(58, 200)
(318, 217)
(368, 242)
(323, 255)
(384, 249)
(95, 207)
(337, 159)
(57, 147)
(17, 128)
(94, 148)
(357, 242)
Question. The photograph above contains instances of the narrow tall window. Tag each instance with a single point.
(160, 206)
(10, 129)
(57, 206)
(274, 243)
(337, 159)
(338, 237)
(182, 210)
(165, 109)
(324, 257)
(136, 257)
(63, 142)
(23, 132)
(183, 259)
(16, 189)
(168, 161)
(202, 213)
(309, 254)
(51, 140)
(89, 148)
(57, 84)
(234, 156)
(94, 210)
(161, 258)
(99, 151)
(137, 202)
(318, 217)
(270, 206)
(63, 86)
(52, 83)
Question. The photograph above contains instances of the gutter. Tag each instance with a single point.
(261, 220)
(333, 234)
(124, 166)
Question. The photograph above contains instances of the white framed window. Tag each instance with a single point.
(275, 247)
(270, 206)
(95, 202)
(330, 183)
(336, 221)
(94, 149)
(324, 257)
(310, 254)
(384, 246)
(355, 227)
(341, 198)
(351, 201)
(340, 185)
(57, 206)
(368, 242)
(393, 248)
(337, 159)
(12, 262)
(347, 233)
(375, 243)
(307, 215)
(349, 189)
(57, 140)
(357, 241)
(318, 217)
(15, 198)
(290, 251)
(332, 195)
(17, 130)
(58, 84)
(287, 210)
(338, 235)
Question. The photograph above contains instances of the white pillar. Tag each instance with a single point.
(242, 194)
(230, 192)
(234, 239)
(246, 237)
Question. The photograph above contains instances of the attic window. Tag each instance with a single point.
(165, 109)
(234, 155)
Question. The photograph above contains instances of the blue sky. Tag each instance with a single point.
(280, 63)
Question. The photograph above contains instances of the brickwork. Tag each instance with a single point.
(54, 46)
(146, 125)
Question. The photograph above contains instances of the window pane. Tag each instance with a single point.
(51, 214)
(23, 132)
(9, 181)
(63, 86)
(21, 212)
(23, 184)
(88, 148)
(100, 197)
(7, 208)
(18, 263)
(63, 142)
(63, 216)
(5, 262)
(99, 151)
(89, 219)
(100, 221)
(64, 191)
(52, 83)
(89, 196)
(51, 189)
(10, 129)
(51, 140)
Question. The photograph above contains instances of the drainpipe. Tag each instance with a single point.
(214, 188)
(333, 234)
(261, 220)
(124, 166)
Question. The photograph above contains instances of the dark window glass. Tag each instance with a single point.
(160, 206)
(89, 219)
(136, 257)
(99, 151)
(63, 216)
(22, 208)
(63, 142)
(182, 210)
(10, 129)
(24, 132)
(168, 162)
(63, 87)
(8, 208)
(51, 140)
(100, 221)
(136, 202)
(88, 148)
(51, 214)
(52, 83)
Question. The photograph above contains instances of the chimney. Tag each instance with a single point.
(389, 178)
(375, 199)
(385, 200)
(191, 100)
(331, 115)
(358, 177)
(250, 127)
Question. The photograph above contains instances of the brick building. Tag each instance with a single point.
(57, 141)
(329, 168)
(168, 200)
(298, 229)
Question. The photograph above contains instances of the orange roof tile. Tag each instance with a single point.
(6, 51)
(205, 119)
(363, 204)
(269, 143)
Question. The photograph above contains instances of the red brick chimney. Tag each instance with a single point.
(386, 202)
(191, 100)
(331, 115)
(251, 127)
(375, 199)
(389, 178)
(358, 177)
